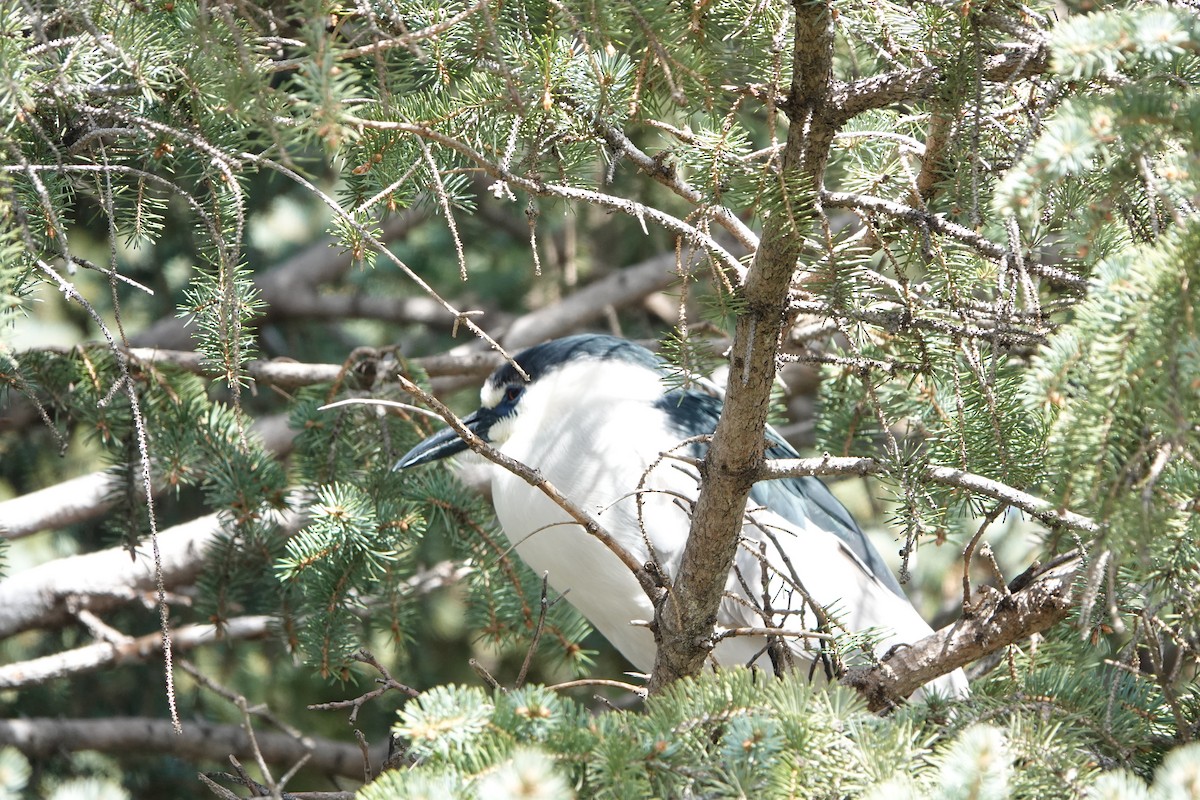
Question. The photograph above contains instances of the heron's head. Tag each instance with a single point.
(563, 373)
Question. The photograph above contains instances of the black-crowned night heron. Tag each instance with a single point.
(597, 421)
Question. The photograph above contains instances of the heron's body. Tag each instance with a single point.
(597, 421)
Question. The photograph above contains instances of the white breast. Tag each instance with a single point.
(601, 438)
(582, 454)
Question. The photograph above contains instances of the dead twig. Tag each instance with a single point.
(386, 684)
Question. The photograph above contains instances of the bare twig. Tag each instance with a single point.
(535, 479)
(43, 596)
(107, 654)
(488, 677)
(237, 699)
(725, 633)
(439, 191)
(386, 684)
(1040, 509)
(143, 449)
(543, 607)
(40, 737)
(640, 691)
(216, 788)
(969, 553)
(366, 754)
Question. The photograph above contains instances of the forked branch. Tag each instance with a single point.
(1002, 620)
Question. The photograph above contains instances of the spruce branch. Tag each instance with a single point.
(938, 224)
(409, 38)
(536, 186)
(459, 317)
(984, 325)
(292, 290)
(673, 180)
(284, 373)
(288, 374)
(934, 306)
(90, 496)
(905, 85)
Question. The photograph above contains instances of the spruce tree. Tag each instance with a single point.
(964, 232)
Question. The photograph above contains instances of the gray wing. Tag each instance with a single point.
(794, 499)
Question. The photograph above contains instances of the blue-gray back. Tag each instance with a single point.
(794, 499)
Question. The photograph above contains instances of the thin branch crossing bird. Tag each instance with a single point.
(598, 420)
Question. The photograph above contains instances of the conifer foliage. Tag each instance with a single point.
(965, 232)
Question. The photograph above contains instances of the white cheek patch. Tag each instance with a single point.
(489, 396)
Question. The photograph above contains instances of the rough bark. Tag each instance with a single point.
(998, 620)
(100, 655)
(686, 614)
(48, 594)
(200, 740)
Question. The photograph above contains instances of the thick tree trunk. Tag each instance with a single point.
(685, 617)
